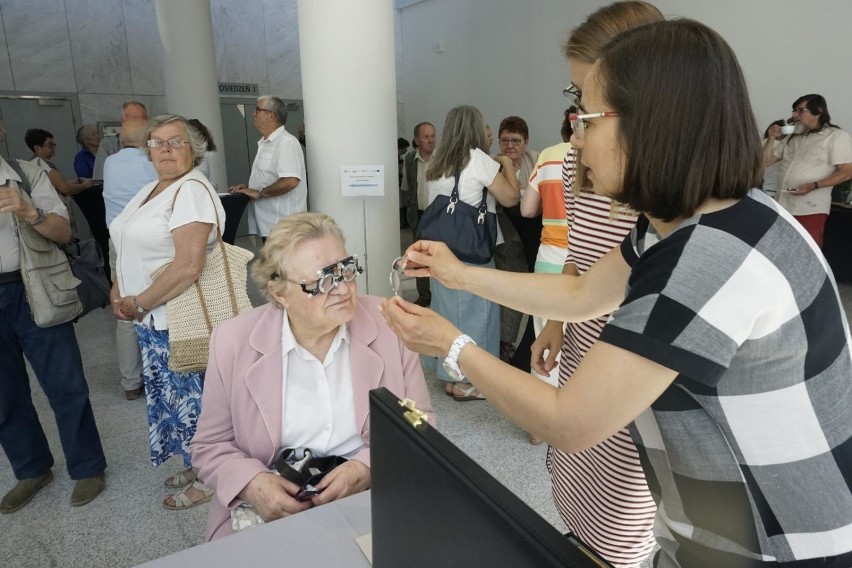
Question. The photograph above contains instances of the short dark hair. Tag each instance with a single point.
(686, 139)
(816, 106)
(402, 143)
(36, 137)
(514, 124)
(205, 133)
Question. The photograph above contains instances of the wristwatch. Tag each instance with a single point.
(451, 363)
(38, 220)
(139, 309)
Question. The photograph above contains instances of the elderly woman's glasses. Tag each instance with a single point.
(572, 93)
(329, 277)
(173, 143)
(580, 121)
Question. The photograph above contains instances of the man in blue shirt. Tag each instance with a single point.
(125, 173)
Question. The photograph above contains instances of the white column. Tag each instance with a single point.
(189, 66)
(349, 89)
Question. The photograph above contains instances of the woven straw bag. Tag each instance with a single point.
(218, 294)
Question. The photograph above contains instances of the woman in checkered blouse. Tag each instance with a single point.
(729, 351)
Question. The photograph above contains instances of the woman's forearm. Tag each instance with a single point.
(560, 297)
(174, 280)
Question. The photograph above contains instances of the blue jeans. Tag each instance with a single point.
(54, 355)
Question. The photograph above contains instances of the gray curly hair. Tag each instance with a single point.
(197, 143)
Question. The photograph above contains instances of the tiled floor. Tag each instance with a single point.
(126, 525)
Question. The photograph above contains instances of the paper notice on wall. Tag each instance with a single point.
(362, 181)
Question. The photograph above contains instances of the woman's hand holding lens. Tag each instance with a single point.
(420, 329)
(435, 259)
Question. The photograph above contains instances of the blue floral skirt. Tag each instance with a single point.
(174, 399)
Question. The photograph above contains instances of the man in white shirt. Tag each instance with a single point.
(816, 157)
(277, 185)
(125, 173)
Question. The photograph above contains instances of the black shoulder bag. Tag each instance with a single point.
(470, 232)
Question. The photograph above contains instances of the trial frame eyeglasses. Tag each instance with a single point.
(329, 277)
(579, 121)
(175, 143)
(572, 93)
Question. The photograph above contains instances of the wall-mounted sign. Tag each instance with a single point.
(362, 181)
(238, 89)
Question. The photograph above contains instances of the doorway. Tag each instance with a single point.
(56, 114)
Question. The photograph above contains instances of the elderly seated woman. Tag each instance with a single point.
(295, 374)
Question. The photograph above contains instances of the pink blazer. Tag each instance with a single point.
(239, 429)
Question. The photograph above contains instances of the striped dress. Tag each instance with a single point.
(600, 492)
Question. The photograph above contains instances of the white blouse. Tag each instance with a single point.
(318, 406)
(142, 234)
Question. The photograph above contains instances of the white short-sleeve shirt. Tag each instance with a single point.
(278, 156)
(480, 172)
(143, 233)
(809, 158)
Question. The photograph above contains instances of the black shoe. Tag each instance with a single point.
(133, 394)
(23, 492)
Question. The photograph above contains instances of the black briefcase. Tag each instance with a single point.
(425, 493)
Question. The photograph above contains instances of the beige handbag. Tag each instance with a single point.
(50, 285)
(218, 294)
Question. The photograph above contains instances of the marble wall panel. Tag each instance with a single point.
(397, 42)
(6, 81)
(238, 32)
(97, 107)
(282, 48)
(144, 48)
(98, 45)
(39, 46)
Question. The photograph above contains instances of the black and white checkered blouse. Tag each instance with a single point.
(749, 451)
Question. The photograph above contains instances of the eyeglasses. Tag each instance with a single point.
(173, 143)
(49, 145)
(397, 273)
(572, 93)
(800, 110)
(258, 109)
(330, 277)
(580, 121)
(511, 141)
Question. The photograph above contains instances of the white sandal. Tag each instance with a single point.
(471, 393)
(182, 501)
(181, 480)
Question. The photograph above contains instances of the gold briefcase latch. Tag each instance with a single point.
(414, 416)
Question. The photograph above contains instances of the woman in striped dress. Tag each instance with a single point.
(601, 493)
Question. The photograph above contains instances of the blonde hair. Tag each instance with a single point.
(464, 129)
(283, 239)
(585, 44)
(588, 39)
